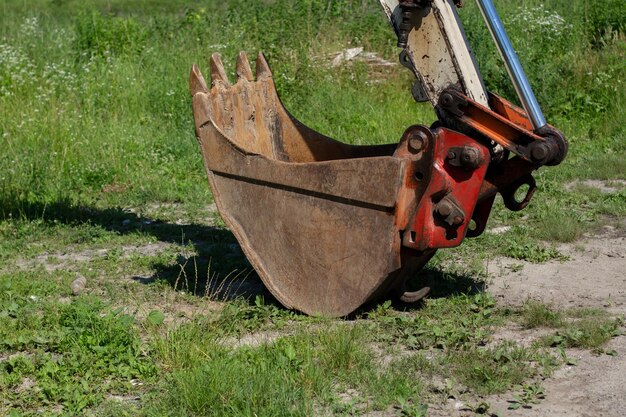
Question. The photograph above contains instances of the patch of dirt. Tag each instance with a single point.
(608, 187)
(593, 388)
(253, 339)
(358, 54)
(595, 276)
(26, 385)
(124, 398)
(57, 261)
(379, 68)
(171, 213)
(514, 331)
(176, 310)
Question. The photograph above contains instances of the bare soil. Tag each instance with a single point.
(595, 276)
(68, 259)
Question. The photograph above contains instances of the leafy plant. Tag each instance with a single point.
(587, 333)
(532, 251)
(156, 318)
(536, 314)
(530, 394)
(410, 409)
(492, 370)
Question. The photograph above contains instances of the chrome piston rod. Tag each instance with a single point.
(512, 64)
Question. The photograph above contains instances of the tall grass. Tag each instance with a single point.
(95, 109)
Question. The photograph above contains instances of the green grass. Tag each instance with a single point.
(72, 353)
(210, 363)
(585, 332)
(492, 370)
(536, 314)
(442, 323)
(578, 328)
(100, 175)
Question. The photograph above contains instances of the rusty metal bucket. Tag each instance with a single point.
(315, 217)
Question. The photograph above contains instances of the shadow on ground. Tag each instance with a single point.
(445, 284)
(442, 284)
(219, 269)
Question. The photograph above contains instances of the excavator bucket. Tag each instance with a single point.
(314, 216)
(330, 226)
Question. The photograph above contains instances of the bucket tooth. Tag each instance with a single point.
(243, 70)
(262, 67)
(197, 83)
(218, 74)
(202, 112)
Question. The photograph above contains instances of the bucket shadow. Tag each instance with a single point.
(210, 275)
(218, 269)
(445, 284)
(442, 284)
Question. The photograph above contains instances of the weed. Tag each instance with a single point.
(536, 314)
(481, 408)
(603, 24)
(532, 251)
(241, 317)
(587, 312)
(587, 333)
(98, 35)
(491, 370)
(409, 409)
(444, 324)
(558, 226)
(80, 352)
(281, 378)
(529, 395)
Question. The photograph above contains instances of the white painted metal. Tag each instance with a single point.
(439, 51)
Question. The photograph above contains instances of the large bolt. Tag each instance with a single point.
(450, 213)
(447, 99)
(540, 151)
(470, 157)
(444, 208)
(418, 141)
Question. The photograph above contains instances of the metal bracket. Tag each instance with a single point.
(506, 125)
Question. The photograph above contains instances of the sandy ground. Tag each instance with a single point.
(595, 276)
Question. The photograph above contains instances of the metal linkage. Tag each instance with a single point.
(513, 66)
(408, 8)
